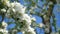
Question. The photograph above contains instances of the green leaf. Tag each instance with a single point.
(59, 31)
(1, 33)
(36, 1)
(0, 24)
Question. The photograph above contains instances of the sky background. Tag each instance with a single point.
(38, 19)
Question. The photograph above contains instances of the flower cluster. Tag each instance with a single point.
(16, 10)
(3, 29)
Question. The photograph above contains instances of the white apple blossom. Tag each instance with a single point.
(3, 10)
(41, 25)
(19, 8)
(13, 10)
(4, 24)
(30, 31)
(8, 3)
(16, 8)
(12, 5)
(4, 31)
(27, 18)
(23, 32)
(1, 30)
(50, 3)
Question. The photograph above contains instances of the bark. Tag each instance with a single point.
(46, 19)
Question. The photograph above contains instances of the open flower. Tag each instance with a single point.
(30, 31)
(41, 25)
(4, 31)
(3, 10)
(4, 24)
